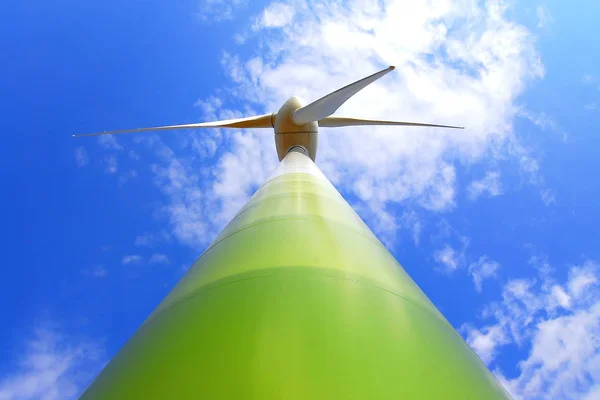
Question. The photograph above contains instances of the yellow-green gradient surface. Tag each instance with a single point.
(296, 299)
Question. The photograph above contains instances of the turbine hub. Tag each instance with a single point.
(288, 134)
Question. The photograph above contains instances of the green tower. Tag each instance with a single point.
(296, 299)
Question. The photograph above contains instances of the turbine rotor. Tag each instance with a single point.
(296, 125)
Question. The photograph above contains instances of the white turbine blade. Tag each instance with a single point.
(329, 104)
(259, 121)
(333, 122)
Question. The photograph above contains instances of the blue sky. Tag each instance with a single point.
(498, 224)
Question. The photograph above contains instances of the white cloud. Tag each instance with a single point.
(489, 184)
(452, 247)
(413, 223)
(131, 259)
(81, 157)
(159, 259)
(149, 239)
(448, 257)
(482, 269)
(589, 79)
(200, 200)
(541, 120)
(187, 208)
(547, 196)
(277, 15)
(593, 393)
(558, 323)
(544, 17)
(485, 341)
(530, 171)
(560, 297)
(144, 240)
(544, 122)
(109, 142)
(100, 272)
(219, 10)
(563, 358)
(460, 63)
(52, 367)
(110, 164)
(580, 278)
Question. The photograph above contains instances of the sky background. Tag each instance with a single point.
(498, 224)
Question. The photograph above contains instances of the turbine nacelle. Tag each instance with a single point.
(296, 125)
(289, 134)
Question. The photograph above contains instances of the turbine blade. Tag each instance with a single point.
(334, 122)
(259, 121)
(329, 104)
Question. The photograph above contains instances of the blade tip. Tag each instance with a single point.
(392, 67)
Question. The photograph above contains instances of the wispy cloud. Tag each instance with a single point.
(219, 10)
(544, 122)
(133, 155)
(151, 238)
(451, 253)
(53, 366)
(159, 259)
(81, 157)
(110, 163)
(544, 16)
(100, 272)
(485, 341)
(144, 240)
(276, 15)
(186, 209)
(454, 255)
(449, 258)
(490, 184)
(413, 223)
(109, 142)
(558, 322)
(201, 201)
(581, 278)
(482, 269)
(547, 196)
(530, 172)
(589, 79)
(131, 259)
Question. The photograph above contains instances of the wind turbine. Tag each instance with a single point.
(296, 298)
